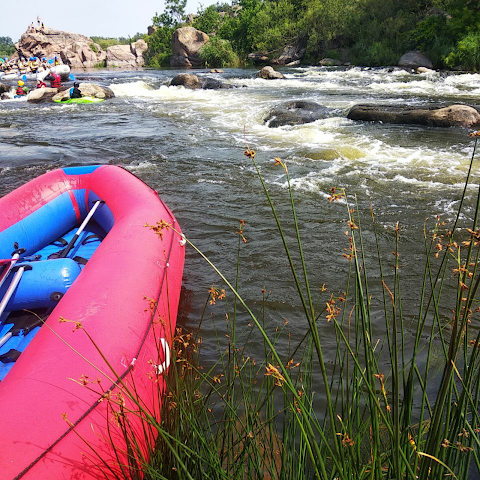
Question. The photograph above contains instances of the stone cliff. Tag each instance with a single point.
(79, 51)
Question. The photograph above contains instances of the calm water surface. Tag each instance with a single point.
(189, 146)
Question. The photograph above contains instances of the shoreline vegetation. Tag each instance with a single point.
(395, 398)
(368, 33)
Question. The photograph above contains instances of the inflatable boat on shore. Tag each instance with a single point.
(62, 70)
(88, 303)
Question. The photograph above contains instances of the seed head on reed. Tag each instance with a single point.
(159, 227)
(334, 196)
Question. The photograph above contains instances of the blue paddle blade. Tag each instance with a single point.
(72, 78)
(24, 78)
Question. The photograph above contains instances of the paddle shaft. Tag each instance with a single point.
(67, 249)
(15, 256)
(11, 288)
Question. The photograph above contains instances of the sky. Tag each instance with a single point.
(105, 18)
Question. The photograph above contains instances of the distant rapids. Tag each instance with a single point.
(189, 144)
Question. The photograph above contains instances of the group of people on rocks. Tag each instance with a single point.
(53, 77)
(40, 27)
(55, 82)
(22, 66)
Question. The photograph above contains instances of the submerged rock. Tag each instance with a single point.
(297, 112)
(451, 116)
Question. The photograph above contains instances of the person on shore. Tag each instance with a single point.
(33, 64)
(39, 22)
(21, 90)
(54, 79)
(75, 91)
(56, 61)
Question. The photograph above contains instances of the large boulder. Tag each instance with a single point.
(76, 50)
(297, 112)
(121, 56)
(451, 116)
(186, 45)
(42, 95)
(268, 73)
(414, 59)
(88, 90)
(193, 82)
(139, 48)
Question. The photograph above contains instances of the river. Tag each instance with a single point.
(189, 144)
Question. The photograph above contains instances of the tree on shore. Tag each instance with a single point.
(371, 32)
(7, 46)
(160, 42)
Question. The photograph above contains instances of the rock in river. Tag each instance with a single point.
(191, 81)
(268, 73)
(296, 113)
(451, 116)
(42, 95)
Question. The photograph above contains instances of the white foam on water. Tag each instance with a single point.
(143, 90)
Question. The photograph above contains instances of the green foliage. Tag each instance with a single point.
(208, 20)
(274, 26)
(172, 15)
(376, 55)
(94, 47)
(159, 47)
(160, 42)
(377, 32)
(466, 54)
(219, 53)
(106, 42)
(7, 46)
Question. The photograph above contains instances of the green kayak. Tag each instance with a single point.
(81, 100)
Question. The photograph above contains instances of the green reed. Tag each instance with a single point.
(386, 413)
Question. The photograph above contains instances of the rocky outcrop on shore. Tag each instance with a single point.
(291, 54)
(450, 116)
(75, 50)
(186, 45)
(415, 59)
(296, 112)
(79, 51)
(193, 82)
(127, 56)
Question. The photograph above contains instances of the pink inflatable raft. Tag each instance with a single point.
(88, 304)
